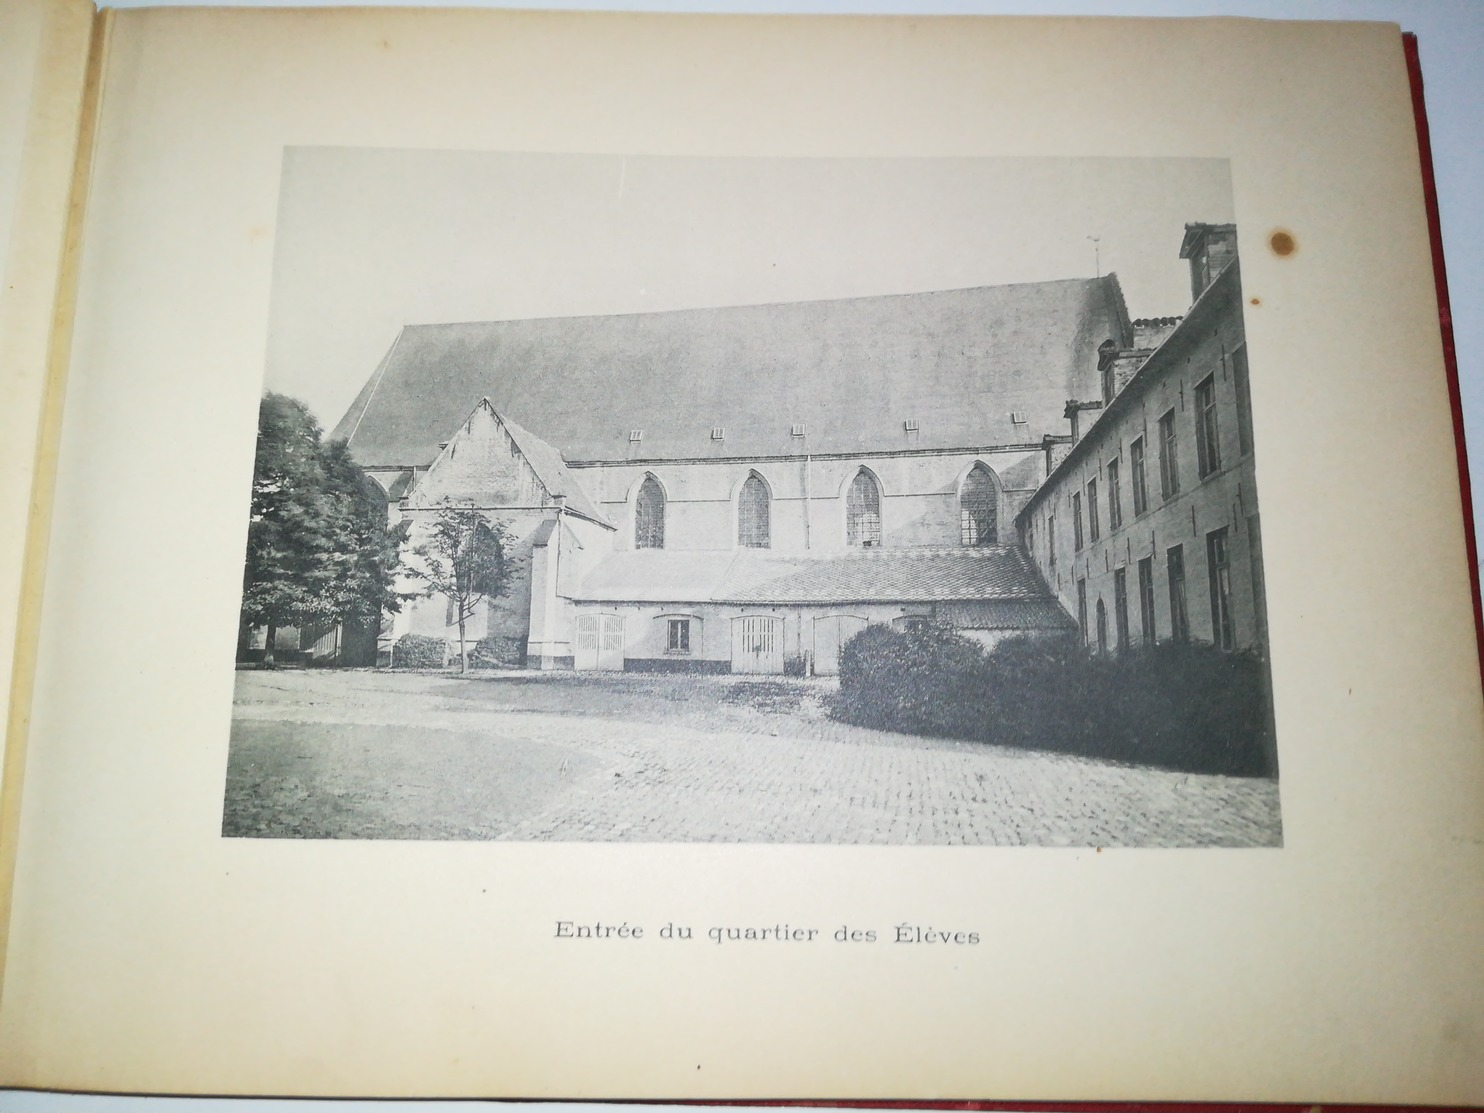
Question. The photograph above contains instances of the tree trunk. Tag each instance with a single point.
(463, 646)
(268, 644)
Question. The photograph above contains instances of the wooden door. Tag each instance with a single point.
(757, 644)
(831, 632)
(599, 643)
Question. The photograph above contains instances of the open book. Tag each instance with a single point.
(641, 556)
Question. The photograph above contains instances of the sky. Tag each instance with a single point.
(371, 240)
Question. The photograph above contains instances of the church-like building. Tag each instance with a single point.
(743, 488)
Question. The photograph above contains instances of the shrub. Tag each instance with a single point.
(417, 651)
(498, 653)
(1177, 706)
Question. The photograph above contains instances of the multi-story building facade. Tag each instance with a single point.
(1147, 529)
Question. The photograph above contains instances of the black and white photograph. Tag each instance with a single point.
(650, 499)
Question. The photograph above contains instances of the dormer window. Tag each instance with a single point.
(1209, 247)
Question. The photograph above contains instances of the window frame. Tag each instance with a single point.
(1115, 497)
(1076, 521)
(968, 526)
(853, 532)
(649, 516)
(681, 646)
(1146, 600)
(1207, 428)
(1179, 612)
(1120, 608)
(1169, 456)
(1140, 480)
(1218, 571)
(755, 483)
(1094, 524)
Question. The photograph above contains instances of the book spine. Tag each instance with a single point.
(66, 49)
(1445, 323)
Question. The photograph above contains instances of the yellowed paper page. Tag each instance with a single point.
(151, 953)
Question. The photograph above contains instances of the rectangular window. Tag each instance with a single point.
(1207, 438)
(1169, 464)
(1120, 607)
(1077, 522)
(1141, 485)
(679, 641)
(1259, 590)
(1244, 400)
(1179, 617)
(1082, 609)
(1146, 598)
(1051, 541)
(1093, 528)
(1219, 567)
(1115, 497)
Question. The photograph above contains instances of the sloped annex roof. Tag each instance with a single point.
(999, 572)
(852, 371)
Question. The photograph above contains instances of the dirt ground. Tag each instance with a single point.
(602, 757)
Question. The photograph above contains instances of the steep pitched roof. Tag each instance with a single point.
(852, 371)
(861, 576)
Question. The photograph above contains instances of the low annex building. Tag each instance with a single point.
(744, 488)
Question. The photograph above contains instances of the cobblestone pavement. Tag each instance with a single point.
(594, 757)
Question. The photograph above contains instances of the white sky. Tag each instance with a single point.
(370, 240)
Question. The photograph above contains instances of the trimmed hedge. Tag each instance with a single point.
(1187, 707)
(418, 651)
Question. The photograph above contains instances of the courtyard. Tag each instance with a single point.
(531, 756)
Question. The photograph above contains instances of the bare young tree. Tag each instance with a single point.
(465, 559)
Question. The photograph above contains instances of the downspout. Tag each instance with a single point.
(808, 502)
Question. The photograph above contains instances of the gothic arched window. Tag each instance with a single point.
(754, 524)
(863, 512)
(977, 509)
(649, 515)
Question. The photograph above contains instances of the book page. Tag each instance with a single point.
(1329, 956)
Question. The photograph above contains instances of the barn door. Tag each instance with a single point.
(599, 643)
(757, 644)
(831, 632)
(610, 642)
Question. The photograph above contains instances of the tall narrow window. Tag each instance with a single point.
(1146, 598)
(1082, 609)
(1120, 607)
(754, 517)
(1141, 485)
(649, 515)
(1115, 496)
(1076, 521)
(1179, 617)
(1093, 527)
(1050, 540)
(863, 512)
(1102, 628)
(1244, 400)
(1207, 437)
(977, 509)
(1169, 463)
(1218, 564)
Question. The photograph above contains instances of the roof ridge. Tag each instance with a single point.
(757, 304)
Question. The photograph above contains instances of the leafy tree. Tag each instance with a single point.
(319, 549)
(465, 559)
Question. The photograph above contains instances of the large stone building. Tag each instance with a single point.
(1147, 529)
(743, 488)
